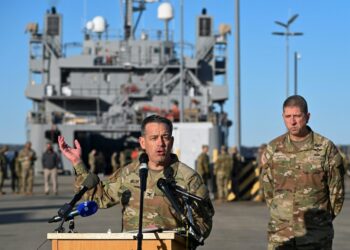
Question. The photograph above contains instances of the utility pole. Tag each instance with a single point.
(237, 101)
(287, 34)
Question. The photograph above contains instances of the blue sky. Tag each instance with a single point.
(324, 67)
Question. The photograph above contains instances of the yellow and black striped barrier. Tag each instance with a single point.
(248, 184)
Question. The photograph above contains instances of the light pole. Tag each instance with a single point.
(237, 102)
(287, 34)
(297, 57)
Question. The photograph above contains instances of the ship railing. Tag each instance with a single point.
(188, 49)
(93, 92)
(75, 117)
(59, 117)
(81, 117)
(143, 34)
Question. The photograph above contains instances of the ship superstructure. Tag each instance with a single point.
(101, 95)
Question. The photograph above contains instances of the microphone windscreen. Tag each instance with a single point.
(87, 208)
(91, 181)
(143, 158)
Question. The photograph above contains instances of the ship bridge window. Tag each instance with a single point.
(36, 78)
(36, 50)
(53, 23)
(205, 26)
(167, 50)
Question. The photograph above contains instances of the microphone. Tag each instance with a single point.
(163, 185)
(143, 171)
(90, 181)
(84, 209)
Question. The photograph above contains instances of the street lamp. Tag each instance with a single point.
(297, 57)
(287, 34)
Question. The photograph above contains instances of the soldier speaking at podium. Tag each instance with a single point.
(123, 186)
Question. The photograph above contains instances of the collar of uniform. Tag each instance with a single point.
(173, 164)
(288, 146)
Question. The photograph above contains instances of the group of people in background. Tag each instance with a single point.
(97, 163)
(222, 173)
(21, 166)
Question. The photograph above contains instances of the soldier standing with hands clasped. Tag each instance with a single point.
(303, 182)
(202, 164)
(124, 185)
(222, 169)
(27, 157)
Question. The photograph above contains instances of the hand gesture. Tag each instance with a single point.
(72, 154)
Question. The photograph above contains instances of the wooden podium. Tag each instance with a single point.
(115, 241)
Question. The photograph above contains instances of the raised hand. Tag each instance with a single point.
(72, 154)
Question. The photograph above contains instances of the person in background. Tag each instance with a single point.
(114, 162)
(100, 163)
(18, 171)
(3, 165)
(222, 170)
(303, 182)
(345, 160)
(237, 164)
(92, 161)
(202, 164)
(50, 163)
(15, 186)
(27, 158)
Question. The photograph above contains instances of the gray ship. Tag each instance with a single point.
(101, 95)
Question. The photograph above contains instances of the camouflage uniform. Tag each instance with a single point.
(157, 209)
(304, 190)
(92, 161)
(114, 162)
(27, 157)
(122, 158)
(222, 170)
(346, 161)
(3, 164)
(202, 167)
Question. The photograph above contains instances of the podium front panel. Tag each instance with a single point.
(112, 241)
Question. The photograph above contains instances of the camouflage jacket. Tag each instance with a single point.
(202, 164)
(27, 157)
(304, 188)
(124, 187)
(223, 165)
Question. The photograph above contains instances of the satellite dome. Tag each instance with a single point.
(165, 11)
(89, 25)
(99, 24)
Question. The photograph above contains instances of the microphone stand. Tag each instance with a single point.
(60, 228)
(193, 230)
(187, 197)
(139, 234)
(143, 172)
